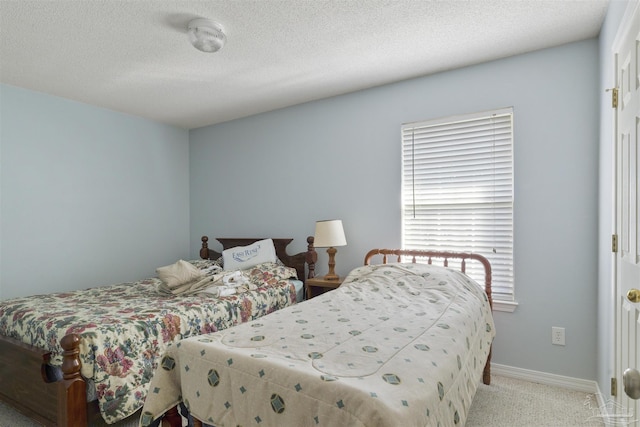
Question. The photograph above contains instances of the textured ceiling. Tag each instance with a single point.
(134, 56)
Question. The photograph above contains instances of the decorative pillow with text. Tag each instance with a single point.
(243, 257)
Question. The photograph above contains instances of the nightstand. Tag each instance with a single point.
(318, 285)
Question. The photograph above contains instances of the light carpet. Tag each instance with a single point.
(507, 402)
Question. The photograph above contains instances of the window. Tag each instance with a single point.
(457, 190)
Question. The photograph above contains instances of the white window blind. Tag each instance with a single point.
(457, 190)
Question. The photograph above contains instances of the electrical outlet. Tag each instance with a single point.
(557, 335)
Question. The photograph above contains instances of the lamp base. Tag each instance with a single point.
(331, 275)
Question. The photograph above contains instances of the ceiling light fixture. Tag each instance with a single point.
(206, 35)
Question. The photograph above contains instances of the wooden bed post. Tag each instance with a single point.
(72, 389)
(204, 251)
(312, 257)
(172, 417)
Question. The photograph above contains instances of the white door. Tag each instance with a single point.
(627, 260)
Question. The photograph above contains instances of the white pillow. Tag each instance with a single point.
(179, 273)
(243, 257)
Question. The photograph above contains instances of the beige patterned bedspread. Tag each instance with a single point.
(124, 327)
(395, 345)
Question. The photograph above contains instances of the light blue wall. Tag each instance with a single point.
(88, 196)
(275, 174)
(606, 227)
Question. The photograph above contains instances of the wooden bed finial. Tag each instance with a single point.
(204, 251)
(312, 258)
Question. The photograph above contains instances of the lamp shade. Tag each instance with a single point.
(329, 233)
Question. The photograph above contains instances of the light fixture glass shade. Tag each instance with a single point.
(206, 35)
(329, 234)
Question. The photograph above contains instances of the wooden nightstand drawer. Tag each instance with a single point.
(318, 285)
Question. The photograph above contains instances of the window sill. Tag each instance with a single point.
(506, 306)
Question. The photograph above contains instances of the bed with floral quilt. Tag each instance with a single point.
(397, 344)
(102, 344)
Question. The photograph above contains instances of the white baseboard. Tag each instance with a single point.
(545, 378)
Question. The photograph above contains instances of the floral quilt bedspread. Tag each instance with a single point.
(125, 327)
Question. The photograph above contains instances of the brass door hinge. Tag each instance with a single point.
(614, 243)
(614, 96)
(614, 387)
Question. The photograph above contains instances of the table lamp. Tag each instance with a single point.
(329, 234)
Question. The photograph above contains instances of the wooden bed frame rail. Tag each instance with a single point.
(28, 387)
(414, 254)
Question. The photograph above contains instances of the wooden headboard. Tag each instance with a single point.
(297, 261)
(429, 255)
